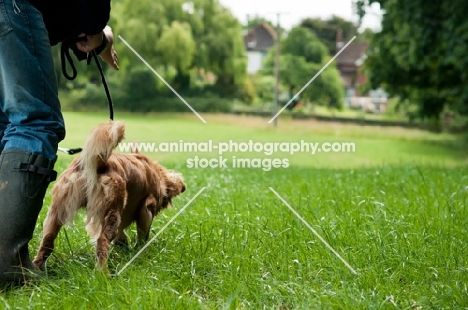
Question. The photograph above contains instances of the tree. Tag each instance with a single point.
(182, 36)
(326, 30)
(224, 48)
(177, 48)
(302, 56)
(420, 53)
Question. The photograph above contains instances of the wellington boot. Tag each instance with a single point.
(24, 178)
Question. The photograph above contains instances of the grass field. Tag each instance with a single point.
(395, 210)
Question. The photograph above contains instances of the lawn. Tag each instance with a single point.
(395, 210)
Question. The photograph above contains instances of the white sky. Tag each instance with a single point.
(295, 10)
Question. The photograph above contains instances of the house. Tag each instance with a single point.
(349, 63)
(257, 43)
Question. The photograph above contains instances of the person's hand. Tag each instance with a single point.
(109, 55)
(91, 43)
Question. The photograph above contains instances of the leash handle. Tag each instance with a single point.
(65, 56)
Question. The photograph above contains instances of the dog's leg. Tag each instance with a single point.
(67, 199)
(52, 227)
(110, 228)
(145, 218)
(112, 198)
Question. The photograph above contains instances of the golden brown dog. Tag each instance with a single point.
(116, 190)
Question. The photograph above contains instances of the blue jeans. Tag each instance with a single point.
(30, 116)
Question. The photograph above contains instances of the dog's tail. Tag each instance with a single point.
(97, 149)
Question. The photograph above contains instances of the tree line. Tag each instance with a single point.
(198, 48)
(419, 56)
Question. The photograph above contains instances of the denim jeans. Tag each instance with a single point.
(30, 116)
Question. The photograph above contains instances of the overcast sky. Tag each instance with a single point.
(295, 10)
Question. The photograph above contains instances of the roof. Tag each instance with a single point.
(260, 38)
(352, 53)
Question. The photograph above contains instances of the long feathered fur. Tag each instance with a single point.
(98, 147)
(96, 151)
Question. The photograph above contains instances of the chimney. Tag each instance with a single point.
(339, 39)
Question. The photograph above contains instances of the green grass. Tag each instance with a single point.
(395, 210)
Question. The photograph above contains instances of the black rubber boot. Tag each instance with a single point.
(24, 178)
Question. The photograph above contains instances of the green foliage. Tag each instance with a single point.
(247, 92)
(326, 30)
(177, 46)
(301, 42)
(140, 83)
(164, 103)
(420, 54)
(302, 56)
(264, 86)
(179, 39)
(366, 35)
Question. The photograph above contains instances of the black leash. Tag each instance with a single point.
(104, 83)
(64, 57)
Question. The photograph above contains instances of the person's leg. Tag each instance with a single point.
(3, 125)
(28, 99)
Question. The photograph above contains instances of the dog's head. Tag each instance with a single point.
(174, 186)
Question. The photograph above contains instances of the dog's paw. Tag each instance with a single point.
(39, 263)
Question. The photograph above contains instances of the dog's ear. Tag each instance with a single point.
(174, 186)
